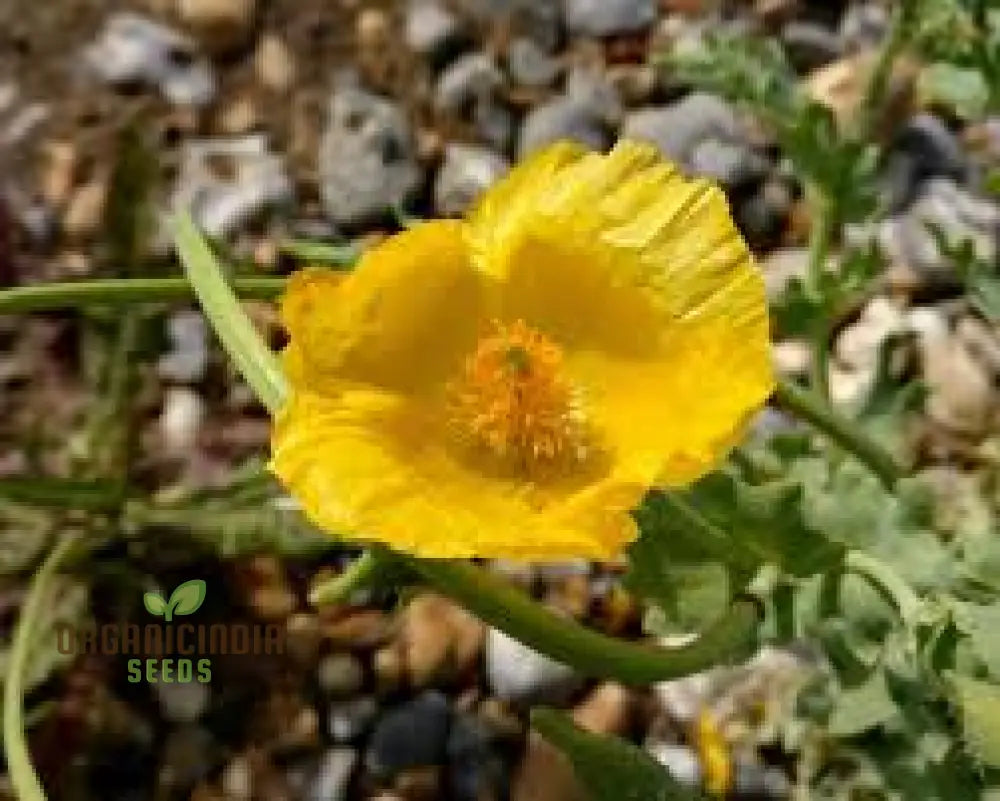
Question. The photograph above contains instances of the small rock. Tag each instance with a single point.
(469, 90)
(857, 350)
(188, 754)
(389, 668)
(274, 63)
(764, 217)
(678, 128)
(333, 775)
(431, 30)
(188, 356)
(340, 674)
(254, 181)
(237, 780)
(981, 341)
(635, 83)
(961, 395)
(530, 65)
(85, 210)
(348, 720)
(545, 774)
(467, 171)
(437, 636)
(792, 357)
(731, 165)
(181, 418)
(810, 45)
(132, 49)
(411, 735)
(864, 26)
(683, 698)
(609, 17)
(358, 628)
(476, 771)
(59, 171)
(680, 761)
(751, 780)
(562, 118)
(367, 164)
(220, 25)
(606, 710)
(517, 673)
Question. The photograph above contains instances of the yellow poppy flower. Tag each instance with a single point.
(511, 384)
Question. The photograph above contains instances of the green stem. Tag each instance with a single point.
(873, 99)
(841, 430)
(123, 292)
(58, 493)
(824, 225)
(340, 588)
(337, 255)
(27, 786)
(503, 606)
(887, 582)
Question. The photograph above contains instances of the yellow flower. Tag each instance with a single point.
(713, 752)
(511, 384)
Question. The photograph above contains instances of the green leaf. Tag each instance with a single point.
(154, 604)
(961, 90)
(256, 363)
(979, 705)
(862, 708)
(609, 768)
(981, 625)
(187, 597)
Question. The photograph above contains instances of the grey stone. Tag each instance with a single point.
(187, 756)
(430, 27)
(466, 172)
(594, 89)
(255, 181)
(609, 17)
(680, 761)
(188, 356)
(677, 128)
(809, 45)
(759, 781)
(348, 720)
(333, 775)
(411, 735)
(476, 770)
(731, 164)
(469, 88)
(529, 64)
(542, 20)
(134, 50)
(563, 117)
(936, 150)
(864, 26)
(367, 160)
(340, 674)
(520, 674)
(182, 702)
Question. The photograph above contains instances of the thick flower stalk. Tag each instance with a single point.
(512, 384)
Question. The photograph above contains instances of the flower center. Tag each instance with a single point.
(514, 398)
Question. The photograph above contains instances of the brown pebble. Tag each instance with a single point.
(274, 63)
(438, 637)
(606, 710)
(419, 784)
(85, 210)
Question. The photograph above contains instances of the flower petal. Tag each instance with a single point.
(402, 320)
(373, 466)
(644, 280)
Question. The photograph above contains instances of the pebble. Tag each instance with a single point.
(466, 172)
(528, 63)
(340, 674)
(680, 761)
(520, 674)
(864, 25)
(731, 165)
(85, 210)
(606, 710)
(545, 774)
(237, 780)
(180, 421)
(187, 358)
(751, 780)
(220, 25)
(476, 771)
(411, 735)
(187, 755)
(609, 17)
(438, 637)
(60, 167)
(678, 128)
(348, 720)
(809, 45)
(132, 49)
(431, 30)
(255, 181)
(961, 394)
(981, 341)
(333, 775)
(563, 117)
(274, 63)
(367, 164)
(468, 89)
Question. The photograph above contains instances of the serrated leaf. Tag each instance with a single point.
(981, 625)
(979, 704)
(187, 597)
(962, 90)
(610, 769)
(154, 604)
(859, 709)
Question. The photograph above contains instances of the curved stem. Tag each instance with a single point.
(340, 587)
(887, 582)
(27, 786)
(820, 238)
(841, 430)
(122, 292)
(505, 607)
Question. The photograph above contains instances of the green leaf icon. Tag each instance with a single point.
(155, 604)
(186, 598)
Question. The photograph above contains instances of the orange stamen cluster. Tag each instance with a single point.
(514, 398)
